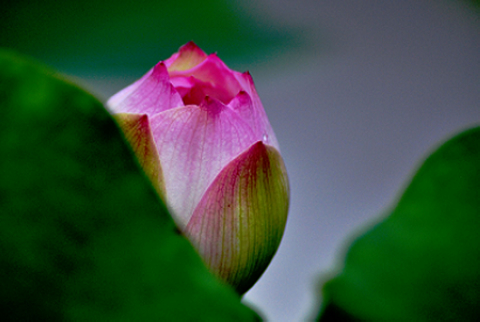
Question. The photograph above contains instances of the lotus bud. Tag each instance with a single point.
(203, 138)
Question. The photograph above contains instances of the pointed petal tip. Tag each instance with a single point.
(246, 80)
(159, 70)
(187, 57)
(258, 149)
(214, 58)
(143, 120)
(190, 43)
(190, 46)
(242, 104)
(212, 105)
(248, 76)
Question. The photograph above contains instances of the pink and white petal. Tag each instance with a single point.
(250, 108)
(238, 225)
(182, 82)
(194, 144)
(151, 94)
(246, 82)
(188, 56)
(136, 128)
(213, 70)
(243, 105)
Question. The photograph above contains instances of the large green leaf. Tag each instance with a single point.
(83, 235)
(422, 263)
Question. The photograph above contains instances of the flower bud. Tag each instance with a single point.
(202, 136)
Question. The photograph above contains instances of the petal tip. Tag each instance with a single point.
(212, 105)
(189, 47)
(188, 56)
(159, 70)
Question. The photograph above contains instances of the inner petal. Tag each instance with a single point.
(213, 76)
(194, 91)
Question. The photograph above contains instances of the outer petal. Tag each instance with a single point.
(238, 224)
(247, 104)
(136, 128)
(194, 144)
(150, 95)
(188, 56)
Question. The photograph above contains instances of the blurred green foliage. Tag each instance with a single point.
(475, 3)
(422, 263)
(91, 34)
(83, 235)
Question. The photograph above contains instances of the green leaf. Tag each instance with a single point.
(83, 235)
(422, 263)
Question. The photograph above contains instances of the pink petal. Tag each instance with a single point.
(194, 91)
(136, 128)
(150, 95)
(182, 84)
(248, 105)
(195, 143)
(223, 83)
(239, 222)
(188, 56)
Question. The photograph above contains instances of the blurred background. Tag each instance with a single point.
(358, 92)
